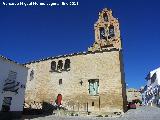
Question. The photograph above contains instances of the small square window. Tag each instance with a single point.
(92, 103)
(60, 81)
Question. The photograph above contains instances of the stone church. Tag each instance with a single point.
(91, 81)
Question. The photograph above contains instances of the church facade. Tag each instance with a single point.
(91, 81)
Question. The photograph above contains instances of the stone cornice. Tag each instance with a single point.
(70, 55)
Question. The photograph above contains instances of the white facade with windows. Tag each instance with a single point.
(13, 77)
(151, 92)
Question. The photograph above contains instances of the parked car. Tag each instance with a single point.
(131, 105)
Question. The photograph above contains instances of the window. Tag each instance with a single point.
(67, 64)
(92, 103)
(60, 65)
(105, 17)
(60, 81)
(53, 65)
(102, 33)
(6, 104)
(111, 31)
(93, 87)
(153, 78)
(32, 75)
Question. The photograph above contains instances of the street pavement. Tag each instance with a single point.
(141, 113)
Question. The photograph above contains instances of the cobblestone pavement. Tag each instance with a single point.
(141, 113)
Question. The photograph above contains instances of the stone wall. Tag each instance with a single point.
(107, 67)
(133, 94)
(106, 42)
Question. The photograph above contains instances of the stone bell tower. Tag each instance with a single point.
(107, 33)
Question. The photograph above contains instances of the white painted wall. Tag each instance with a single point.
(22, 74)
(157, 81)
(158, 76)
(151, 94)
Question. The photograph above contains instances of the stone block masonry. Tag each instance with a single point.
(90, 81)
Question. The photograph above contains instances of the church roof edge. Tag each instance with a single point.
(69, 55)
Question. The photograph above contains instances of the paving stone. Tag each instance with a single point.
(141, 113)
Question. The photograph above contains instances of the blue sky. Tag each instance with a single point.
(31, 33)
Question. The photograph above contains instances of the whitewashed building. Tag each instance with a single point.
(13, 77)
(151, 92)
